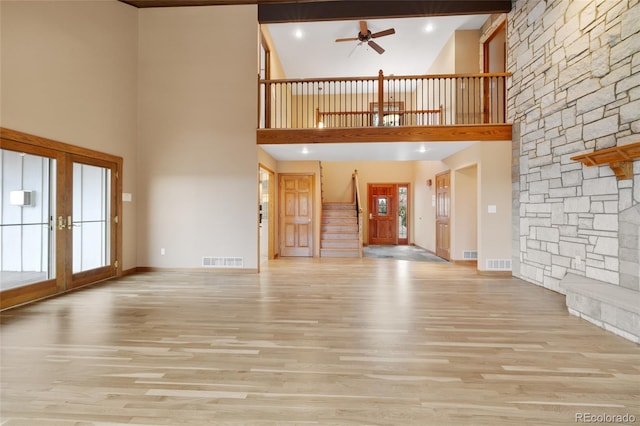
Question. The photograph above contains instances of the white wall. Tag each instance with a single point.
(487, 164)
(467, 51)
(465, 211)
(197, 149)
(494, 189)
(445, 62)
(69, 73)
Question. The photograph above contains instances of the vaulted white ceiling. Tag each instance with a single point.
(309, 50)
(410, 51)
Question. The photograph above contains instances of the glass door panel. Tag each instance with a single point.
(27, 237)
(403, 213)
(91, 217)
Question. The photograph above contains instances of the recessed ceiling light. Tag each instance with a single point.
(298, 33)
(428, 28)
(422, 149)
(305, 151)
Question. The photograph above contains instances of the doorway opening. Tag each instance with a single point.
(464, 242)
(266, 194)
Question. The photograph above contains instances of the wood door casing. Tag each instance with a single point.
(443, 214)
(496, 42)
(383, 213)
(296, 215)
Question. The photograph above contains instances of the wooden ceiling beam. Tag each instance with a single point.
(276, 12)
(273, 11)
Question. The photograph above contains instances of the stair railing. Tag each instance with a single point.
(358, 205)
(321, 184)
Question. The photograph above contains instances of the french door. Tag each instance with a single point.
(59, 217)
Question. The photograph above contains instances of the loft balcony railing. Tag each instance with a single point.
(425, 100)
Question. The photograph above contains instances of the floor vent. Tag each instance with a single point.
(223, 262)
(499, 264)
(470, 254)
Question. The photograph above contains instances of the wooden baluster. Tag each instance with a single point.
(380, 98)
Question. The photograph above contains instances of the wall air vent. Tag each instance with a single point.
(470, 254)
(223, 262)
(499, 264)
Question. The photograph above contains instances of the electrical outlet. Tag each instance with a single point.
(162, 252)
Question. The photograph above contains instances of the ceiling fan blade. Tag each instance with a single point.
(383, 33)
(363, 27)
(375, 46)
(347, 39)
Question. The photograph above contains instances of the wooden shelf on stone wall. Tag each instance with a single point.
(619, 158)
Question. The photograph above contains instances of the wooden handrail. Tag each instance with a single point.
(358, 203)
(319, 114)
(394, 77)
(404, 111)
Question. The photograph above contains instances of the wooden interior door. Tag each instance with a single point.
(383, 213)
(296, 214)
(443, 213)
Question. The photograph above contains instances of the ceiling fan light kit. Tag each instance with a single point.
(365, 36)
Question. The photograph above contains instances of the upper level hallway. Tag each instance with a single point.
(420, 108)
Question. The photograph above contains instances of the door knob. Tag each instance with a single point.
(61, 224)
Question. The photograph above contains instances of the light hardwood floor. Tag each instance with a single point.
(312, 341)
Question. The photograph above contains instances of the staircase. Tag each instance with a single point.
(340, 234)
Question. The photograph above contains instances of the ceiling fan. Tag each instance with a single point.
(365, 35)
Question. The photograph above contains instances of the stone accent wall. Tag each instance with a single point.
(575, 88)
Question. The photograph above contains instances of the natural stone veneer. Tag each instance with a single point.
(575, 88)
